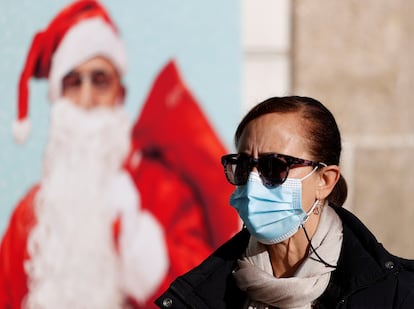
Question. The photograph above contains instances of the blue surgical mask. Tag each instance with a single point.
(271, 214)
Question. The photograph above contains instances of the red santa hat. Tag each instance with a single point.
(79, 32)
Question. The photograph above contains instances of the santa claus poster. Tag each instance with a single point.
(181, 76)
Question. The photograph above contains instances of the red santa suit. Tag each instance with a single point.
(179, 213)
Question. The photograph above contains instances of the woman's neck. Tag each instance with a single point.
(287, 256)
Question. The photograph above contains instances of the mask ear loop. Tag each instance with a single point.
(310, 174)
(306, 219)
(313, 171)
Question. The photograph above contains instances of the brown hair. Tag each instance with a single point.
(324, 138)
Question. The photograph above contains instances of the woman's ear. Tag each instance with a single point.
(328, 177)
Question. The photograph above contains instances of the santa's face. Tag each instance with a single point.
(94, 83)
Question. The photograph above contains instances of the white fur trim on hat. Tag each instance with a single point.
(87, 39)
(21, 130)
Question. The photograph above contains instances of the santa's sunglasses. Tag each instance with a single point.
(99, 79)
(273, 168)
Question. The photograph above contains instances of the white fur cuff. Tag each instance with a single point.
(144, 255)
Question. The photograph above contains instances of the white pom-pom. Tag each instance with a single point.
(21, 130)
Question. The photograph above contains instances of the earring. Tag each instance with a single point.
(318, 209)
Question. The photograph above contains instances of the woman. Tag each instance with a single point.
(299, 249)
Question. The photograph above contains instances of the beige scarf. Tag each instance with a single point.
(255, 275)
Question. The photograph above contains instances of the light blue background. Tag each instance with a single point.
(203, 37)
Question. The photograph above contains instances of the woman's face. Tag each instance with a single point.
(283, 134)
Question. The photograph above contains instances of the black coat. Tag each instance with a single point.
(367, 276)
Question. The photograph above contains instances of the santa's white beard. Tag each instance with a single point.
(73, 261)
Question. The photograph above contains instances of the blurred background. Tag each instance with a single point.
(203, 38)
(354, 56)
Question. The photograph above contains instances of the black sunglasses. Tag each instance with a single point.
(273, 168)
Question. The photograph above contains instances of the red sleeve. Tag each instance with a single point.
(13, 253)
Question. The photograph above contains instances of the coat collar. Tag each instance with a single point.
(363, 260)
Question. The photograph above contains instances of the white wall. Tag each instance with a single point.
(266, 49)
